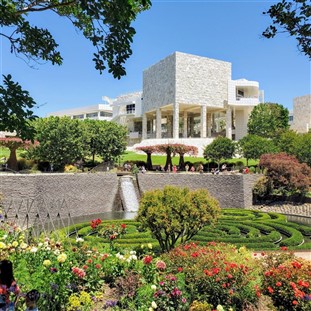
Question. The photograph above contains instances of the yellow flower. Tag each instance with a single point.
(2, 245)
(15, 244)
(23, 245)
(47, 263)
(149, 245)
(85, 298)
(62, 258)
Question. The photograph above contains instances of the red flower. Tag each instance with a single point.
(284, 248)
(278, 284)
(179, 269)
(295, 302)
(195, 254)
(85, 267)
(270, 290)
(98, 266)
(123, 226)
(296, 264)
(147, 260)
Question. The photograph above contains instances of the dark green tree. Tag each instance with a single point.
(302, 149)
(15, 109)
(105, 23)
(221, 148)
(293, 18)
(267, 120)
(253, 146)
(176, 214)
(286, 141)
(105, 139)
(62, 141)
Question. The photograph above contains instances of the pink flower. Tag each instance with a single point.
(161, 265)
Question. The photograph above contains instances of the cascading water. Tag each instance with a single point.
(128, 194)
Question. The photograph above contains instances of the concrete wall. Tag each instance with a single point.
(41, 196)
(230, 190)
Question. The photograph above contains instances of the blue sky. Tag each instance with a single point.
(224, 30)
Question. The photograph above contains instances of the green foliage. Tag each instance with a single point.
(221, 148)
(105, 139)
(15, 109)
(267, 119)
(285, 174)
(303, 148)
(253, 146)
(106, 24)
(61, 141)
(174, 213)
(292, 17)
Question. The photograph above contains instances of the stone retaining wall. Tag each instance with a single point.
(230, 190)
(45, 197)
(56, 196)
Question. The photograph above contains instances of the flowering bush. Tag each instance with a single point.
(217, 273)
(169, 296)
(288, 284)
(95, 223)
(112, 232)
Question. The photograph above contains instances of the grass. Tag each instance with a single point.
(130, 156)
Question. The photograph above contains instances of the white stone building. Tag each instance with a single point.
(95, 112)
(301, 115)
(185, 98)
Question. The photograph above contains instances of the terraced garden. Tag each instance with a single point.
(253, 229)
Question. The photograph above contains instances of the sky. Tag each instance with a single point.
(223, 30)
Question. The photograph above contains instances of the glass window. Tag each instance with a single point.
(92, 115)
(105, 114)
(130, 108)
(79, 116)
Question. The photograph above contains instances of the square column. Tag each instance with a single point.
(203, 121)
(209, 125)
(176, 121)
(185, 123)
(229, 123)
(158, 124)
(144, 129)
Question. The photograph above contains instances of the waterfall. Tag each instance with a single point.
(128, 194)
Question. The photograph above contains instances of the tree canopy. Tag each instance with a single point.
(176, 214)
(221, 148)
(15, 109)
(267, 119)
(293, 18)
(105, 23)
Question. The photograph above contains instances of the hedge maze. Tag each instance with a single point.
(254, 229)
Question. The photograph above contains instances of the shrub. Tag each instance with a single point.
(217, 273)
(175, 214)
(288, 283)
(286, 174)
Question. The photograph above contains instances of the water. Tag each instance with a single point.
(128, 194)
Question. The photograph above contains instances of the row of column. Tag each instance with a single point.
(206, 123)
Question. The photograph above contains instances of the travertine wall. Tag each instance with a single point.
(159, 84)
(302, 114)
(187, 79)
(201, 80)
(47, 195)
(230, 190)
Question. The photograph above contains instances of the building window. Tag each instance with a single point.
(79, 116)
(291, 118)
(240, 94)
(92, 115)
(130, 108)
(105, 114)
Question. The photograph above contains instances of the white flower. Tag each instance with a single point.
(4, 237)
(57, 252)
(40, 244)
(33, 250)
(154, 305)
(153, 287)
(78, 240)
(150, 309)
(132, 252)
